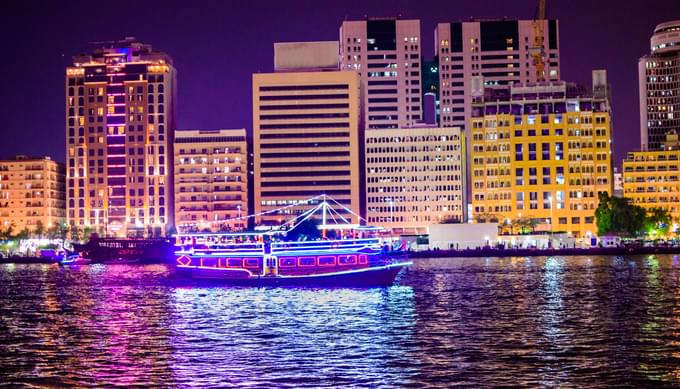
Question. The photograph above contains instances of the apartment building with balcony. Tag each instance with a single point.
(651, 178)
(120, 118)
(211, 180)
(32, 193)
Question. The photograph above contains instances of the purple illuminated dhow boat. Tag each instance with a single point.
(355, 262)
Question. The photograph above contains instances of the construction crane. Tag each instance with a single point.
(536, 50)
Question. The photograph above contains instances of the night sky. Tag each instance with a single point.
(216, 47)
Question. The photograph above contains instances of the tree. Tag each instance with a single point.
(63, 230)
(486, 218)
(524, 225)
(39, 230)
(618, 216)
(53, 232)
(171, 232)
(658, 221)
(305, 230)
(23, 234)
(450, 220)
(87, 232)
(75, 233)
(7, 233)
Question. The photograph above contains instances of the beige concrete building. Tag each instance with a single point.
(31, 192)
(650, 178)
(120, 119)
(295, 56)
(305, 141)
(414, 177)
(211, 180)
(386, 54)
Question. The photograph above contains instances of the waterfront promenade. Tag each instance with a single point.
(487, 251)
(535, 252)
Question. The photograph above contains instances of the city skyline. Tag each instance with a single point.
(201, 40)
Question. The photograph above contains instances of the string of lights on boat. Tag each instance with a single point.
(323, 206)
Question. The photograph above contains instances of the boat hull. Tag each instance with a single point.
(369, 277)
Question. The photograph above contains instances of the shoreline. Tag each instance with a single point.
(497, 252)
(469, 253)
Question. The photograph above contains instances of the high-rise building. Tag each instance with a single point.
(651, 178)
(542, 152)
(386, 54)
(659, 79)
(31, 193)
(120, 119)
(305, 135)
(414, 177)
(211, 180)
(476, 54)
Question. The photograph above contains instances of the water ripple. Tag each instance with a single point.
(526, 322)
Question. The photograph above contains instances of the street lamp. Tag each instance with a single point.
(391, 209)
(551, 218)
(238, 209)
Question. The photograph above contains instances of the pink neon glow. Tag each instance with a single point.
(328, 260)
(300, 260)
(347, 259)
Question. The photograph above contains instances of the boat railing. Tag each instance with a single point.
(244, 249)
(320, 245)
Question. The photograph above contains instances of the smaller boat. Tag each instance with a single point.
(74, 259)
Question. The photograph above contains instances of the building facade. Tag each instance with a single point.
(618, 183)
(120, 119)
(386, 54)
(650, 178)
(414, 178)
(211, 180)
(543, 153)
(32, 193)
(305, 142)
(477, 54)
(659, 80)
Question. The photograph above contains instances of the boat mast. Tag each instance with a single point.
(324, 204)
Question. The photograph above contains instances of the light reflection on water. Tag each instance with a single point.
(474, 321)
(292, 336)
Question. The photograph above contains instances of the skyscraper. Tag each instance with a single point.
(495, 52)
(477, 54)
(386, 54)
(659, 79)
(120, 120)
(305, 133)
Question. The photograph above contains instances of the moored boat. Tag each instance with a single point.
(349, 262)
(114, 250)
(353, 257)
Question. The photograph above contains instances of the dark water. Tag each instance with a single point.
(600, 321)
